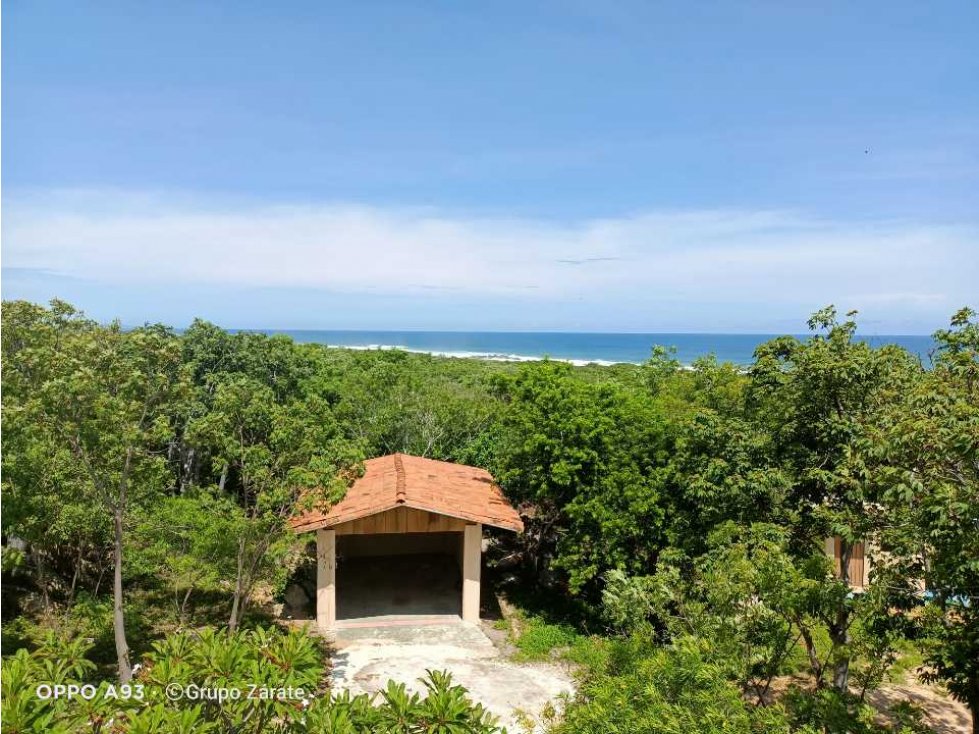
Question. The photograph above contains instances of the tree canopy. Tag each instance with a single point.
(676, 515)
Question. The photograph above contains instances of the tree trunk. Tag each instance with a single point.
(817, 667)
(187, 470)
(246, 577)
(974, 704)
(183, 604)
(75, 576)
(239, 581)
(233, 620)
(118, 620)
(98, 581)
(839, 631)
(42, 578)
(841, 671)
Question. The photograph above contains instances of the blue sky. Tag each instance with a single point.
(574, 166)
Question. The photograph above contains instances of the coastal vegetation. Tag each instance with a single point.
(676, 519)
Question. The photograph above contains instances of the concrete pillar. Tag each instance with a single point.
(472, 551)
(326, 582)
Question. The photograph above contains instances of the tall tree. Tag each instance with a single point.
(819, 398)
(931, 442)
(66, 542)
(586, 458)
(103, 398)
(276, 453)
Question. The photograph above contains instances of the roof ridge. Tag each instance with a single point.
(399, 470)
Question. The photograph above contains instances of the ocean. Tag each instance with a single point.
(578, 348)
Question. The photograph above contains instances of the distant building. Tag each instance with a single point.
(405, 541)
(859, 566)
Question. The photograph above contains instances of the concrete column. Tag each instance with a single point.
(472, 551)
(326, 582)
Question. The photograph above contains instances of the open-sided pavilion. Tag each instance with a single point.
(403, 513)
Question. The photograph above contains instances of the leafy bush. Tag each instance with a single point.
(628, 601)
(445, 709)
(268, 659)
(642, 689)
(88, 619)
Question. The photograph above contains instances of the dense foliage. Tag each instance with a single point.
(256, 681)
(676, 517)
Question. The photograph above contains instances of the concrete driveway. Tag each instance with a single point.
(371, 654)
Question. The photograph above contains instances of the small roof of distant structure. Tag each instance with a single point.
(402, 480)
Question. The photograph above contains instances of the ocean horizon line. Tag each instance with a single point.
(798, 334)
(579, 348)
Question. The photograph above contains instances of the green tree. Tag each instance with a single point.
(820, 399)
(587, 457)
(390, 401)
(67, 542)
(215, 357)
(721, 469)
(188, 542)
(733, 596)
(931, 442)
(102, 398)
(278, 454)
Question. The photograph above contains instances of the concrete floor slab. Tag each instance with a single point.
(367, 657)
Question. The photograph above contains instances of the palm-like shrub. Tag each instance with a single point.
(252, 662)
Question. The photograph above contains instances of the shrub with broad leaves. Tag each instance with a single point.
(250, 662)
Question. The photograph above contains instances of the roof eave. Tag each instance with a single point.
(516, 526)
(331, 522)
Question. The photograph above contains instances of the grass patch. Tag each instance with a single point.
(542, 640)
(909, 659)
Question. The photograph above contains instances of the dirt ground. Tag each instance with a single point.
(942, 714)
(367, 657)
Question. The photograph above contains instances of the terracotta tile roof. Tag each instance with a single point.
(401, 480)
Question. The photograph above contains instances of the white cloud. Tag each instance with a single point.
(712, 255)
